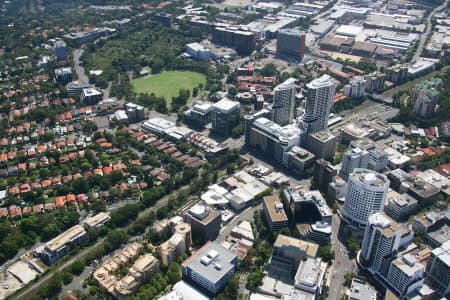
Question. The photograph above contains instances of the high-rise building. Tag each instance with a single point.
(355, 88)
(366, 194)
(225, 116)
(378, 160)
(205, 222)
(438, 270)
(354, 158)
(319, 101)
(243, 41)
(61, 50)
(284, 102)
(382, 237)
(323, 173)
(322, 144)
(291, 44)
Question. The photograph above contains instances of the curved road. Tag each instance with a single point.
(424, 36)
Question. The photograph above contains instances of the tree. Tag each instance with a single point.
(255, 279)
(174, 272)
(231, 289)
(348, 278)
(326, 253)
(77, 267)
(269, 70)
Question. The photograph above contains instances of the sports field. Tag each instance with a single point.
(168, 83)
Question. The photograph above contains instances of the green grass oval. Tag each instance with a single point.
(168, 83)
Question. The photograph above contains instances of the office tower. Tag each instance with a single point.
(438, 270)
(382, 237)
(322, 144)
(291, 44)
(354, 158)
(61, 50)
(225, 116)
(319, 100)
(210, 267)
(205, 222)
(323, 173)
(355, 88)
(284, 102)
(378, 160)
(366, 194)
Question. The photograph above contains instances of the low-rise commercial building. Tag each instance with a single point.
(198, 51)
(210, 267)
(288, 252)
(400, 206)
(91, 96)
(274, 212)
(58, 247)
(309, 276)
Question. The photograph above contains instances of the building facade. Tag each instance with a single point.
(355, 88)
(284, 102)
(205, 222)
(210, 267)
(291, 44)
(366, 194)
(225, 116)
(319, 101)
(438, 270)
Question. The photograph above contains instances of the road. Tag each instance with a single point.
(79, 69)
(342, 264)
(424, 36)
(29, 291)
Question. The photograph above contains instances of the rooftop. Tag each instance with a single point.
(275, 209)
(226, 105)
(311, 249)
(386, 225)
(322, 82)
(443, 253)
(211, 261)
(369, 177)
(323, 135)
(64, 238)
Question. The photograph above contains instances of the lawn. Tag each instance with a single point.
(168, 83)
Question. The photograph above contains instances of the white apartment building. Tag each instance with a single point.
(366, 194)
(284, 102)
